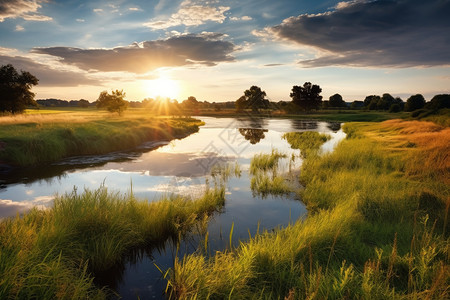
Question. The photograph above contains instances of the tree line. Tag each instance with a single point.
(16, 95)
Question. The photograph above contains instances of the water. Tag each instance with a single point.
(181, 166)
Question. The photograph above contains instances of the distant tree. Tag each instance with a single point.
(415, 102)
(385, 102)
(357, 104)
(241, 103)
(255, 98)
(113, 102)
(190, 103)
(337, 101)
(83, 103)
(395, 108)
(15, 89)
(438, 102)
(307, 97)
(371, 102)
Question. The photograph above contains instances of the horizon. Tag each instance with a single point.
(215, 50)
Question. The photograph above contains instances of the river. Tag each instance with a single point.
(176, 167)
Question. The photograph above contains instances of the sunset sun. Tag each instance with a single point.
(162, 87)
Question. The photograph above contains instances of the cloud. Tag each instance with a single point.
(80, 20)
(190, 14)
(97, 10)
(189, 49)
(9, 208)
(134, 9)
(25, 9)
(243, 18)
(47, 76)
(19, 28)
(402, 33)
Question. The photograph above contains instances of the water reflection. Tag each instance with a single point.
(253, 135)
(179, 167)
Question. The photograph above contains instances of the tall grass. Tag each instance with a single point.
(375, 231)
(309, 142)
(34, 140)
(265, 178)
(56, 253)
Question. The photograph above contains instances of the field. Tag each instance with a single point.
(377, 225)
(43, 136)
(377, 228)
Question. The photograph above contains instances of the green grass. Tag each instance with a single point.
(308, 142)
(265, 179)
(375, 230)
(39, 139)
(56, 253)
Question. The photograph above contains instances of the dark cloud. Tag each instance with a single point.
(273, 65)
(205, 49)
(26, 9)
(403, 33)
(46, 75)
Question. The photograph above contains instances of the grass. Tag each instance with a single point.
(265, 179)
(308, 142)
(377, 227)
(56, 253)
(37, 139)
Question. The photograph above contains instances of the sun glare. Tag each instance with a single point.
(162, 87)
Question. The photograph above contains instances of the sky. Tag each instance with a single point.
(215, 50)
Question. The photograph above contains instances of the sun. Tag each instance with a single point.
(162, 87)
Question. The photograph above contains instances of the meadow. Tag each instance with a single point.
(44, 136)
(377, 227)
(377, 224)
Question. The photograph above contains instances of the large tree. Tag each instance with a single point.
(307, 97)
(336, 101)
(15, 89)
(113, 102)
(415, 102)
(253, 98)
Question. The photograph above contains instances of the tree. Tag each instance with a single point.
(415, 102)
(253, 98)
(114, 102)
(336, 101)
(15, 89)
(439, 101)
(83, 103)
(307, 97)
(190, 103)
(371, 102)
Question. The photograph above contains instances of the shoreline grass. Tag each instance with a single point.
(378, 227)
(36, 140)
(56, 253)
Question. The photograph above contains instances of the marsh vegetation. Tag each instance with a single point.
(377, 223)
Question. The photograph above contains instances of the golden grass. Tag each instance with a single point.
(431, 143)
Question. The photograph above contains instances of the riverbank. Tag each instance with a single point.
(52, 135)
(378, 227)
(58, 253)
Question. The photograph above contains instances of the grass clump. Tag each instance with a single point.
(265, 179)
(308, 142)
(34, 140)
(376, 229)
(56, 253)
